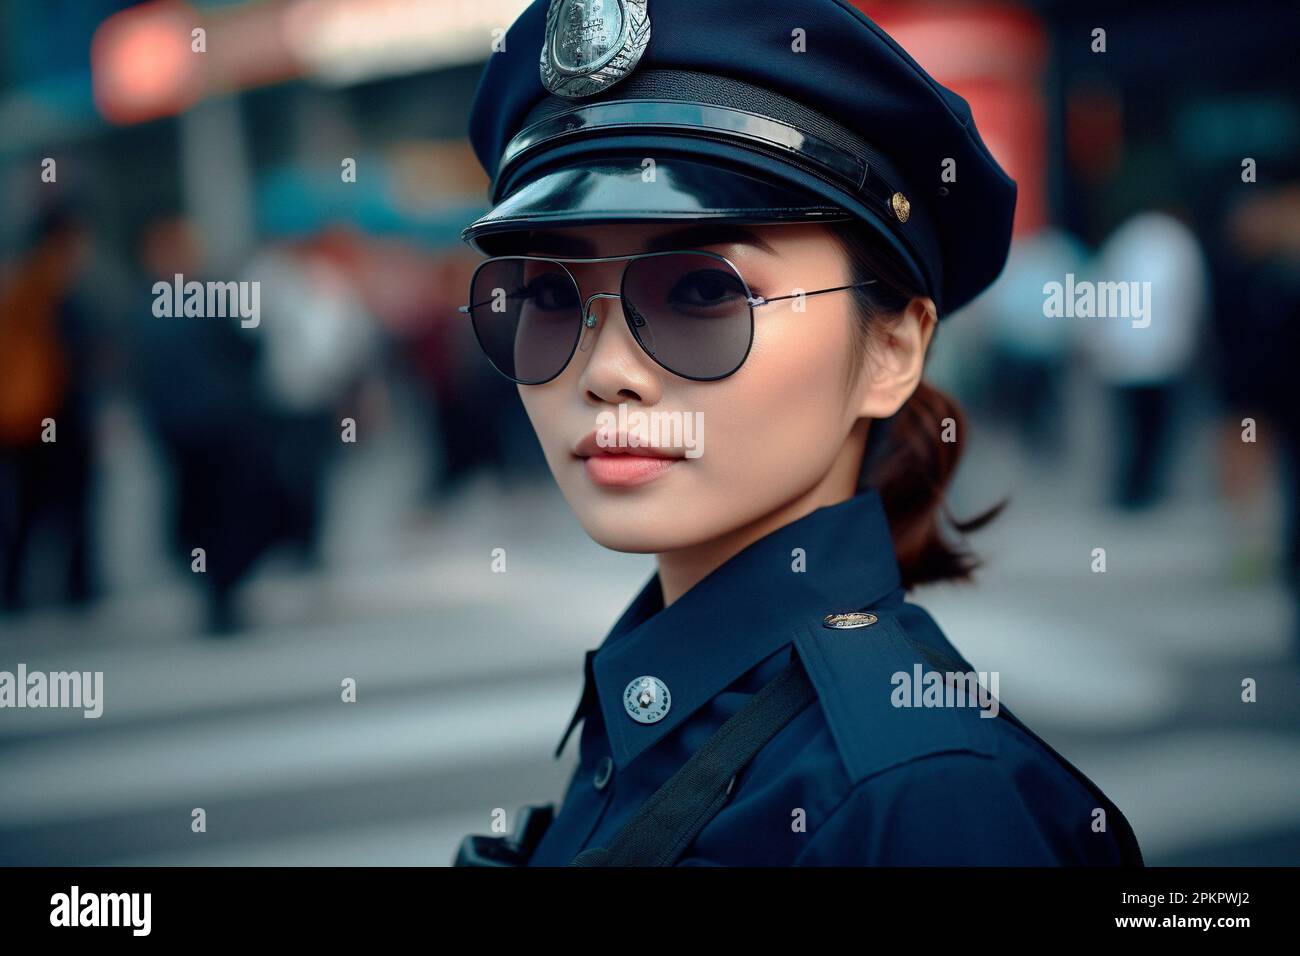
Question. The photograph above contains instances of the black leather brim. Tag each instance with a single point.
(622, 190)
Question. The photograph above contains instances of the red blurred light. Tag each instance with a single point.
(143, 65)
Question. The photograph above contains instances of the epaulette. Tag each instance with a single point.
(873, 681)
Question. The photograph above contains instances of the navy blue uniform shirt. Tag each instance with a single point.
(854, 779)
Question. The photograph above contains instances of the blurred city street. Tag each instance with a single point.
(366, 500)
(466, 678)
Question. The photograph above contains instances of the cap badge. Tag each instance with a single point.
(902, 208)
(592, 44)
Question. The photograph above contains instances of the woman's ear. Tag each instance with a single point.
(895, 359)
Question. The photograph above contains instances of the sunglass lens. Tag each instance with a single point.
(691, 312)
(527, 316)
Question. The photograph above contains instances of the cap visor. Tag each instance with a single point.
(621, 189)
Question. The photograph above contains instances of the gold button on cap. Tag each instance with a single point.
(902, 208)
(845, 621)
(646, 699)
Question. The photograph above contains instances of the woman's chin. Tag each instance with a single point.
(637, 527)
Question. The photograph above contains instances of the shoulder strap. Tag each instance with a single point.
(664, 826)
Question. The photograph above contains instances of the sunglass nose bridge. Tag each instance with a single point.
(589, 319)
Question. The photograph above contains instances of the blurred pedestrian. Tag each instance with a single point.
(1143, 358)
(196, 382)
(1257, 323)
(46, 416)
(317, 340)
(1029, 347)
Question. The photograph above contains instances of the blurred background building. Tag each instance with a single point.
(316, 146)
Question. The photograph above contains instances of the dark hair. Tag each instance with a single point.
(907, 461)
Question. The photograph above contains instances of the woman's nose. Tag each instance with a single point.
(616, 369)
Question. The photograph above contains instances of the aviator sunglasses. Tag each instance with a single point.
(690, 311)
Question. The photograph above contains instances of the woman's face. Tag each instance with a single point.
(774, 433)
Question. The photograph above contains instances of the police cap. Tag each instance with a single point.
(756, 111)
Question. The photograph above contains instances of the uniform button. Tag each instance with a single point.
(845, 621)
(646, 699)
(604, 770)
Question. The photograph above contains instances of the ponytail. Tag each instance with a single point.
(912, 473)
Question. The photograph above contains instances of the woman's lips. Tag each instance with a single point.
(625, 470)
(623, 464)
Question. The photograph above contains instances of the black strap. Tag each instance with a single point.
(664, 826)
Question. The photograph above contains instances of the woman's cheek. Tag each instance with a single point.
(545, 412)
(776, 452)
(783, 424)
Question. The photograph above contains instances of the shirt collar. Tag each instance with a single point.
(737, 616)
